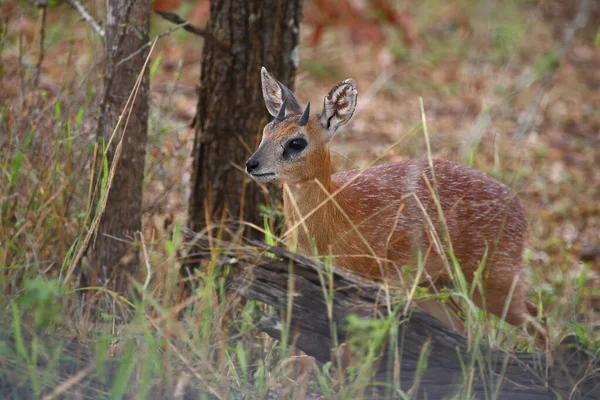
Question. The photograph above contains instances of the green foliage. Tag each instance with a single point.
(271, 217)
(123, 375)
(547, 63)
(155, 65)
(42, 298)
(325, 380)
(17, 160)
(367, 334)
(79, 117)
(507, 37)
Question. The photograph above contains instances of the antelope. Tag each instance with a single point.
(376, 220)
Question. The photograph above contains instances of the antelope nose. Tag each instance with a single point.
(251, 165)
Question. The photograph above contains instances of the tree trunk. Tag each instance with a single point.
(127, 27)
(231, 112)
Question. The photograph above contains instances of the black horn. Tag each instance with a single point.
(305, 116)
(281, 115)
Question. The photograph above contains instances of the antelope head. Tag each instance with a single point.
(294, 148)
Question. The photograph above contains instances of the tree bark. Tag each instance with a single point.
(453, 368)
(127, 28)
(231, 112)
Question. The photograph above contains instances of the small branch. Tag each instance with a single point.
(146, 262)
(187, 26)
(181, 23)
(87, 17)
(149, 43)
(38, 71)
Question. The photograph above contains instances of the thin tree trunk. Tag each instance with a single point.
(231, 112)
(127, 27)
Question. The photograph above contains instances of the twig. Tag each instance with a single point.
(149, 43)
(146, 262)
(21, 70)
(181, 23)
(579, 21)
(38, 71)
(3, 38)
(87, 17)
(187, 26)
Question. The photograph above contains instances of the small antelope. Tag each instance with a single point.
(377, 220)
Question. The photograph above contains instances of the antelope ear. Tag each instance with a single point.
(275, 92)
(338, 106)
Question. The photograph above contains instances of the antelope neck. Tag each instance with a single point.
(308, 194)
(310, 200)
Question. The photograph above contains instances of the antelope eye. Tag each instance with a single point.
(297, 145)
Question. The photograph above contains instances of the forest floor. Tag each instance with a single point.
(500, 91)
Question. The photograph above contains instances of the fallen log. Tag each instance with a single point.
(454, 368)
